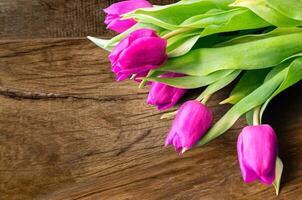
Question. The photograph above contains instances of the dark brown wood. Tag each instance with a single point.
(54, 18)
(69, 131)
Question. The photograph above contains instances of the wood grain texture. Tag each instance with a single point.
(54, 18)
(69, 131)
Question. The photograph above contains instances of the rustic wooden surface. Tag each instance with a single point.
(69, 131)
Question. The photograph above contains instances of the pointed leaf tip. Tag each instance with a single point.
(279, 169)
(228, 100)
(100, 43)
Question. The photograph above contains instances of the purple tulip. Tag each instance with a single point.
(141, 51)
(164, 96)
(114, 12)
(257, 148)
(192, 121)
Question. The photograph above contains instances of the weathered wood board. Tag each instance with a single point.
(69, 131)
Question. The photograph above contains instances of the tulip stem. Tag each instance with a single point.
(176, 32)
(143, 82)
(206, 99)
(168, 115)
(256, 116)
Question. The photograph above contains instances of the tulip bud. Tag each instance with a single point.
(141, 51)
(114, 12)
(257, 148)
(192, 121)
(164, 96)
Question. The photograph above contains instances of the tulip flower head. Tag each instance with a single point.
(141, 51)
(192, 121)
(164, 96)
(114, 12)
(257, 148)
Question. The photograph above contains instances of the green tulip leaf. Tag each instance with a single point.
(232, 21)
(101, 43)
(110, 44)
(218, 85)
(255, 37)
(278, 175)
(183, 47)
(190, 82)
(275, 70)
(273, 51)
(293, 75)
(249, 117)
(292, 9)
(171, 16)
(256, 98)
(182, 43)
(263, 10)
(248, 83)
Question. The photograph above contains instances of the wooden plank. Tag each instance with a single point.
(54, 18)
(69, 131)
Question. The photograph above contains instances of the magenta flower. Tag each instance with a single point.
(114, 12)
(192, 121)
(141, 51)
(257, 148)
(164, 96)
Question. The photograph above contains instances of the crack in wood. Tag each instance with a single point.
(137, 140)
(16, 94)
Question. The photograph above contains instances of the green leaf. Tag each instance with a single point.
(275, 70)
(233, 22)
(190, 82)
(278, 174)
(247, 84)
(171, 16)
(292, 9)
(101, 43)
(256, 98)
(214, 87)
(273, 51)
(110, 44)
(212, 16)
(293, 75)
(183, 46)
(249, 117)
(182, 43)
(263, 10)
(255, 37)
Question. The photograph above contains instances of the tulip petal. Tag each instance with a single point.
(138, 53)
(257, 153)
(164, 96)
(114, 12)
(120, 26)
(247, 174)
(142, 33)
(114, 55)
(194, 120)
(144, 51)
(190, 124)
(171, 135)
(126, 73)
(126, 6)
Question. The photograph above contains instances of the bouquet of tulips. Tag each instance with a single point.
(211, 43)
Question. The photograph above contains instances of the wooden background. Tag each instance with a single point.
(69, 131)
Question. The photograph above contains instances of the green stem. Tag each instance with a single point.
(176, 32)
(256, 116)
(205, 99)
(143, 82)
(169, 115)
